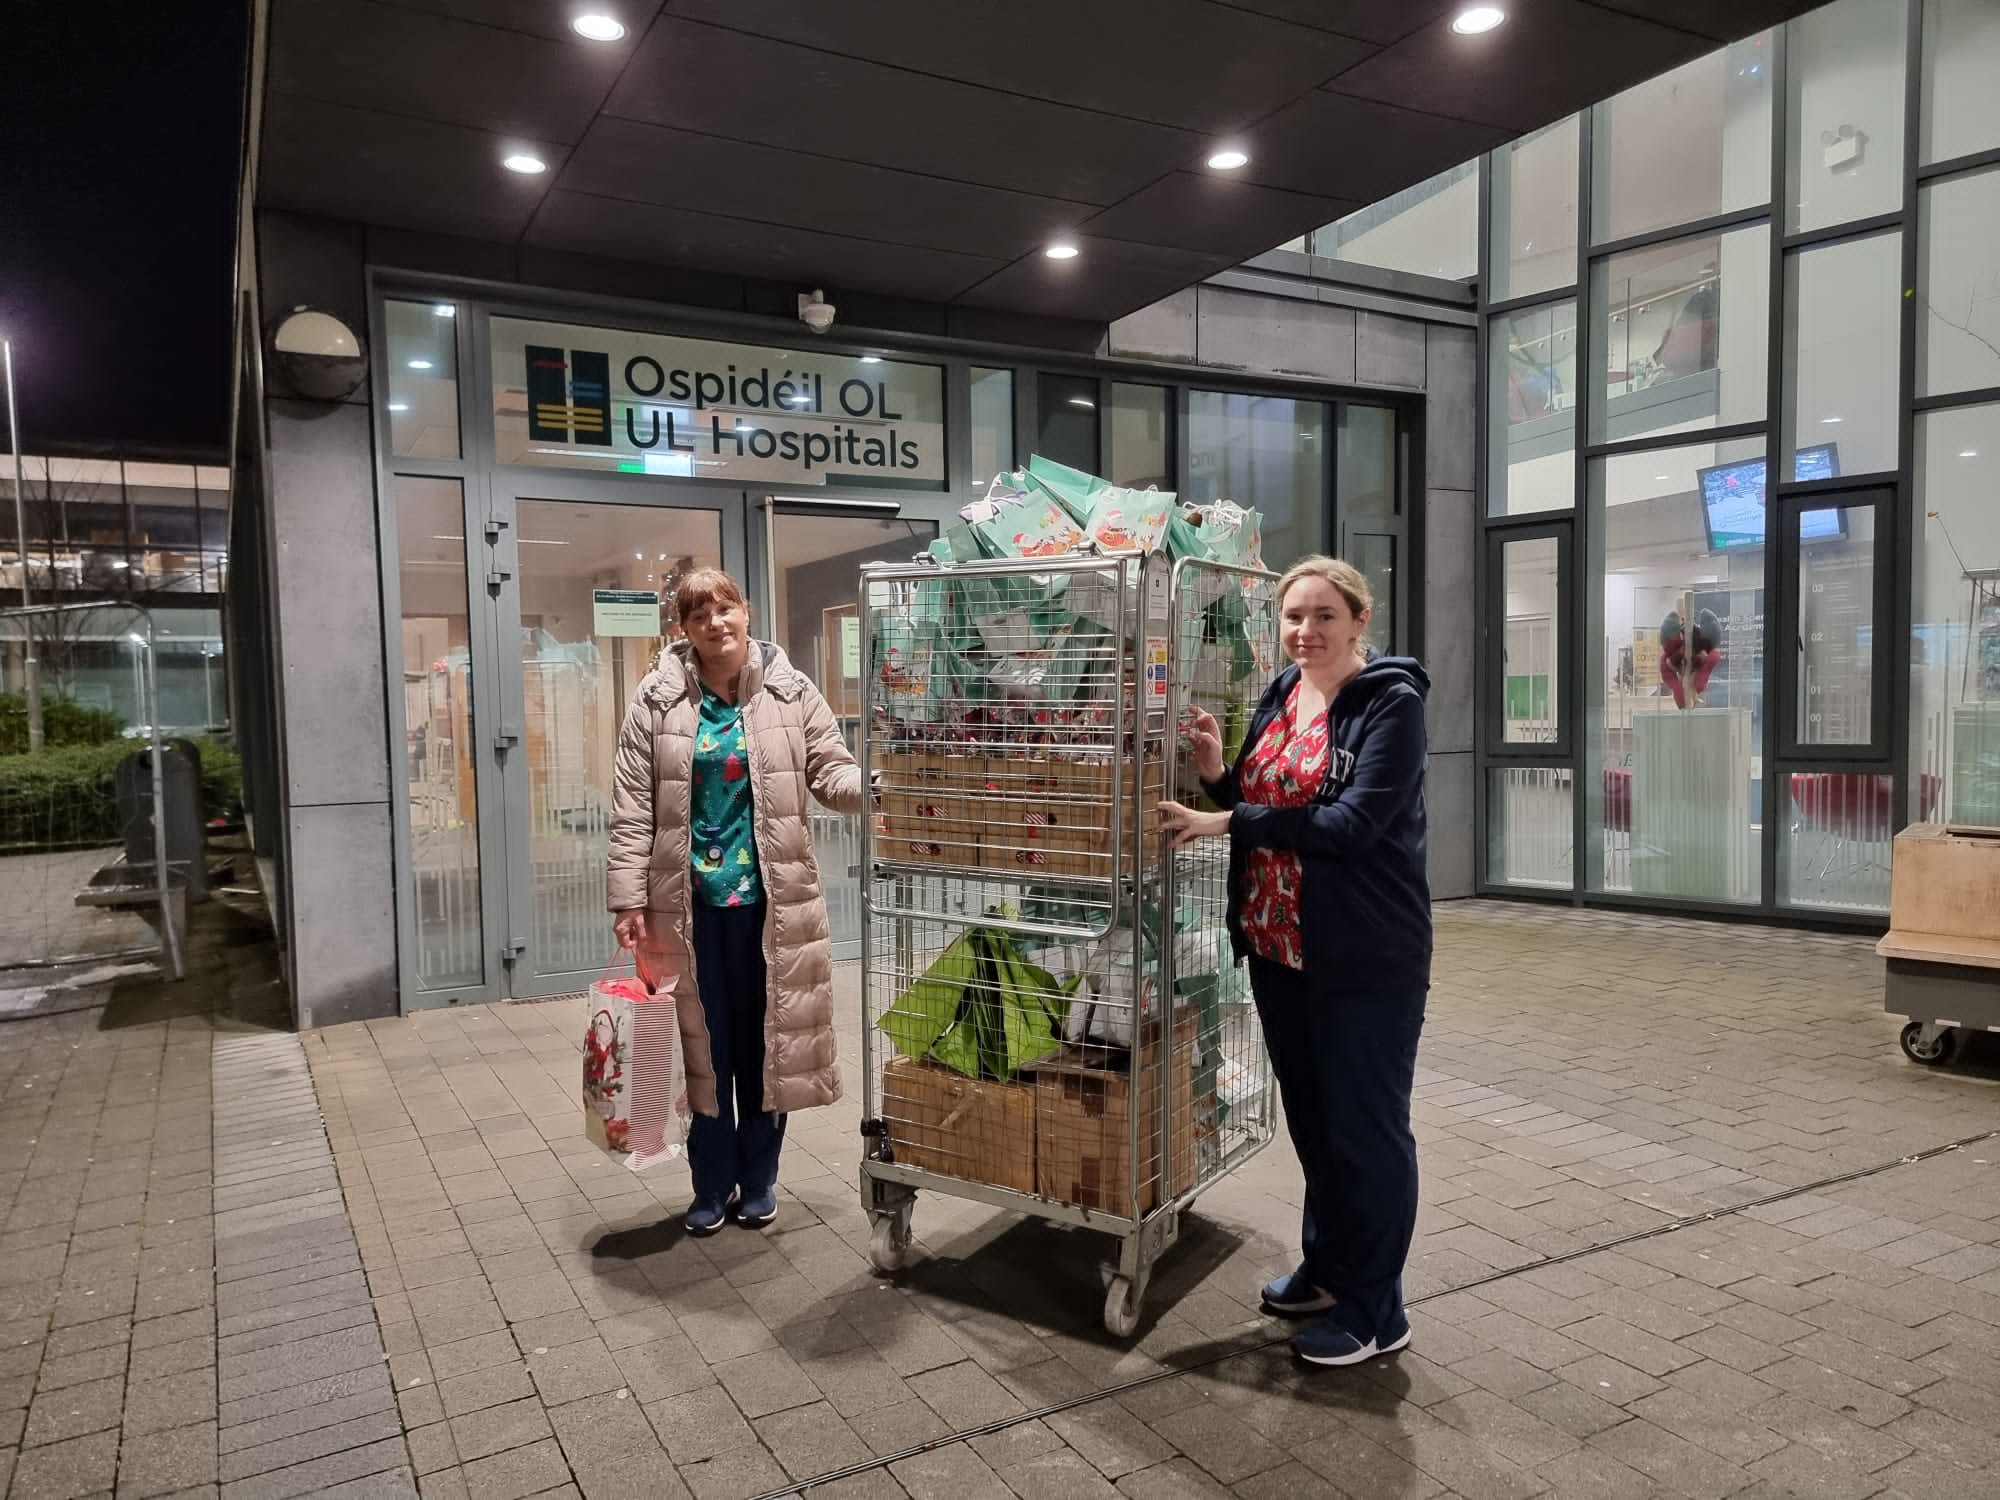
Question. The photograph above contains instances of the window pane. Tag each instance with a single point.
(1533, 427)
(1263, 451)
(1836, 624)
(1958, 226)
(1834, 852)
(1682, 335)
(439, 744)
(1534, 212)
(1531, 642)
(1961, 108)
(1840, 383)
(423, 378)
(1674, 792)
(1955, 618)
(1374, 553)
(1140, 432)
(1685, 146)
(1844, 64)
(1529, 836)
(1364, 485)
(992, 425)
(1431, 229)
(1066, 420)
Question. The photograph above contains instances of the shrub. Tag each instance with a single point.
(69, 796)
(63, 724)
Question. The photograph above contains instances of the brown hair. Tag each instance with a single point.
(705, 586)
(1348, 581)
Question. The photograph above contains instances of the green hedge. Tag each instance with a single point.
(63, 724)
(69, 796)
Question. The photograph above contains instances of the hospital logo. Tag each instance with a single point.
(569, 395)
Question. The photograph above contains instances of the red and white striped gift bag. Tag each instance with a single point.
(635, 1104)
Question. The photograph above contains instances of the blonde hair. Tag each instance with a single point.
(705, 586)
(1347, 580)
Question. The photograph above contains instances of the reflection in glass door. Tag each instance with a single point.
(816, 560)
(594, 600)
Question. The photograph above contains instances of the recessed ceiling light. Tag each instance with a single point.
(598, 27)
(420, 364)
(1475, 19)
(525, 164)
(1084, 401)
(1229, 160)
(445, 310)
(399, 406)
(871, 359)
(1061, 250)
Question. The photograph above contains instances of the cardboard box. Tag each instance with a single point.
(1052, 818)
(1944, 882)
(973, 1128)
(1083, 1132)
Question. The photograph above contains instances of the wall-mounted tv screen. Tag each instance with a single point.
(1732, 500)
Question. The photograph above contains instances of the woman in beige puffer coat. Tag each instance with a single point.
(714, 883)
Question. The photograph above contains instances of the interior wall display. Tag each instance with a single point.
(645, 403)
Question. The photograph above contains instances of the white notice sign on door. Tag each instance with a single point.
(624, 612)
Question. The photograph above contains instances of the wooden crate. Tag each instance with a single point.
(1083, 1132)
(972, 1128)
(1946, 883)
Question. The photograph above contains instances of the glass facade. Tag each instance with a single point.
(1753, 536)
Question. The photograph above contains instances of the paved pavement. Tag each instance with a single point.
(1688, 1230)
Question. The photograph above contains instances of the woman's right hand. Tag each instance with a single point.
(1204, 738)
(631, 929)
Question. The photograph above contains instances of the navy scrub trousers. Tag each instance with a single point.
(1346, 1061)
(737, 1147)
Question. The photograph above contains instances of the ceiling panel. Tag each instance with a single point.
(1187, 63)
(749, 88)
(343, 163)
(651, 163)
(537, 17)
(1107, 274)
(1718, 20)
(1370, 150)
(429, 67)
(1548, 59)
(688, 237)
(1369, 20)
(1224, 216)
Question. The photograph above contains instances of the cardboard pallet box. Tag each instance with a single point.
(1083, 1132)
(972, 1128)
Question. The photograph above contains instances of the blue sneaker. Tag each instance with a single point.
(758, 1209)
(1327, 1343)
(1295, 1296)
(704, 1217)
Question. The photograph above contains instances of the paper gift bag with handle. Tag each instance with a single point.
(635, 1104)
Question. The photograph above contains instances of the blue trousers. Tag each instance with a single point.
(737, 1147)
(1346, 1061)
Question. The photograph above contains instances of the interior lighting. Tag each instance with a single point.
(445, 310)
(1229, 159)
(399, 406)
(871, 359)
(526, 165)
(1475, 20)
(420, 364)
(595, 26)
(1969, 453)
(1083, 401)
(1829, 421)
(1061, 250)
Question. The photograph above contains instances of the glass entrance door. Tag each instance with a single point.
(816, 554)
(582, 589)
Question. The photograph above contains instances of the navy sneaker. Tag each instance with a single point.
(1327, 1343)
(704, 1217)
(1295, 1296)
(758, 1209)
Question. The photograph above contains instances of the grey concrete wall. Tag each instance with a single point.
(328, 607)
(1228, 328)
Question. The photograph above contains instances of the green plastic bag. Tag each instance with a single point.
(927, 1009)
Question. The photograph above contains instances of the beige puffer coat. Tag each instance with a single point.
(795, 746)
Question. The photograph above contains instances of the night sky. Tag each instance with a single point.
(120, 123)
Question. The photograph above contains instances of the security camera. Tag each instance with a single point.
(316, 356)
(815, 311)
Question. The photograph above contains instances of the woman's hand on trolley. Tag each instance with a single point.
(630, 928)
(1204, 738)
(1187, 824)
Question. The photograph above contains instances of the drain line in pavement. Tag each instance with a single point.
(1070, 1403)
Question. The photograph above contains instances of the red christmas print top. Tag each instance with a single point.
(1284, 769)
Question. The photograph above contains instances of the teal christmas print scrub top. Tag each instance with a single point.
(724, 853)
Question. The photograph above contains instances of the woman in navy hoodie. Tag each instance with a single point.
(1330, 903)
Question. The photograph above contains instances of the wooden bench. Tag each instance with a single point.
(1943, 943)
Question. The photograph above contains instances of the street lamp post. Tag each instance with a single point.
(31, 669)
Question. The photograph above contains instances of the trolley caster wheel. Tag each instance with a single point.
(1122, 1301)
(1935, 1053)
(889, 1245)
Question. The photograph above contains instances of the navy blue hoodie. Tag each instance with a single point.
(1364, 895)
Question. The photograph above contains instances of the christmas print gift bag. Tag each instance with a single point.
(635, 1104)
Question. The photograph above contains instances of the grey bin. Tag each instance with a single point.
(187, 835)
